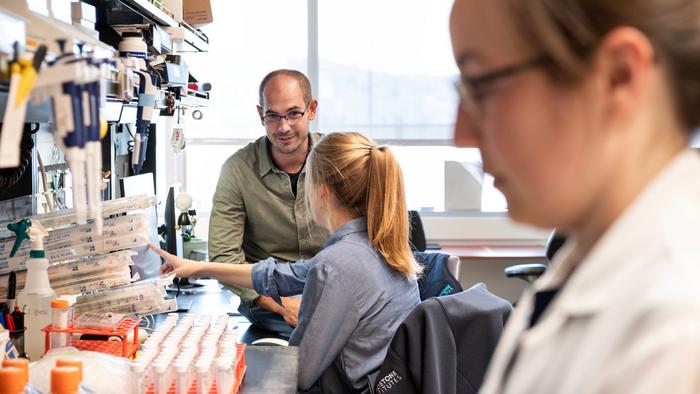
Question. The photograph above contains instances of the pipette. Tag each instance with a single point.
(93, 147)
(144, 115)
(22, 79)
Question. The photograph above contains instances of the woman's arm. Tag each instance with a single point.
(233, 274)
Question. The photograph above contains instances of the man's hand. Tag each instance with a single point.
(183, 268)
(269, 304)
(291, 310)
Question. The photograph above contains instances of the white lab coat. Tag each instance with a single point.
(628, 318)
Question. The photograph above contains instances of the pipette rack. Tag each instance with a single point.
(122, 348)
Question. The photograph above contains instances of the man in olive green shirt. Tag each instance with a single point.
(258, 208)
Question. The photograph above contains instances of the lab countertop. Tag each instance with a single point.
(270, 370)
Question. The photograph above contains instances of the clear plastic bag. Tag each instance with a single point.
(102, 373)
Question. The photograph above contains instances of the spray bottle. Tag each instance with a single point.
(35, 299)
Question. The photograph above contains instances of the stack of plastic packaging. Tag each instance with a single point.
(85, 261)
(64, 218)
(201, 351)
(82, 275)
(66, 244)
(138, 298)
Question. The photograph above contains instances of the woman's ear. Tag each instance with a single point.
(624, 61)
(324, 194)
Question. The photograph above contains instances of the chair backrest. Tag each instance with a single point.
(417, 234)
(554, 243)
(444, 345)
(440, 275)
(454, 265)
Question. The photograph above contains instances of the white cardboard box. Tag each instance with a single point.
(83, 11)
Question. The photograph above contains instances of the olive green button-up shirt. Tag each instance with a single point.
(255, 215)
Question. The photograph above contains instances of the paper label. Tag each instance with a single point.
(86, 109)
(62, 111)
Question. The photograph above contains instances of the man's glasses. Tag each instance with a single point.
(292, 117)
(471, 89)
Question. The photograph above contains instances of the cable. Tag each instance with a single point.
(10, 176)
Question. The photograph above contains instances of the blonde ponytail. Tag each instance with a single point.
(387, 215)
(367, 181)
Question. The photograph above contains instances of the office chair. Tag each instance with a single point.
(419, 243)
(417, 234)
(530, 272)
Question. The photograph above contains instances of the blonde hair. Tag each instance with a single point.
(569, 32)
(367, 181)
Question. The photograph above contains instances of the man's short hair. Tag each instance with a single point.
(301, 79)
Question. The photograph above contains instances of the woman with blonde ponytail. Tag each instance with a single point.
(360, 286)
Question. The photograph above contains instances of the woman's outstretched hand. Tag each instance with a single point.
(181, 267)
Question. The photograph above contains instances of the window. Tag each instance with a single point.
(387, 76)
(246, 42)
(390, 77)
(426, 181)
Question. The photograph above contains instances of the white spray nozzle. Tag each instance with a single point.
(37, 232)
(24, 229)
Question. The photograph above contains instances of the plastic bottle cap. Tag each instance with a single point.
(60, 304)
(71, 298)
(19, 363)
(12, 381)
(222, 363)
(65, 380)
(138, 367)
(201, 367)
(61, 362)
(159, 367)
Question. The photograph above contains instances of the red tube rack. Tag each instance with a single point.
(120, 349)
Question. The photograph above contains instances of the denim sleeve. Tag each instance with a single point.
(327, 317)
(274, 279)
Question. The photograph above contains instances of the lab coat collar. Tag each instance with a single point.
(265, 163)
(643, 223)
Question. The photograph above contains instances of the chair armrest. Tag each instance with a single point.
(527, 272)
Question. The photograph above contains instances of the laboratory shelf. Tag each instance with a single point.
(152, 12)
(121, 348)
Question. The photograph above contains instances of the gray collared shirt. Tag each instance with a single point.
(255, 215)
(352, 304)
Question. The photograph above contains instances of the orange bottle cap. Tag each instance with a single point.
(19, 363)
(60, 303)
(62, 362)
(12, 381)
(65, 380)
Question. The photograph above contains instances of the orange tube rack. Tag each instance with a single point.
(121, 348)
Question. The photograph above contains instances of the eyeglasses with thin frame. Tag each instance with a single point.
(471, 89)
(292, 117)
